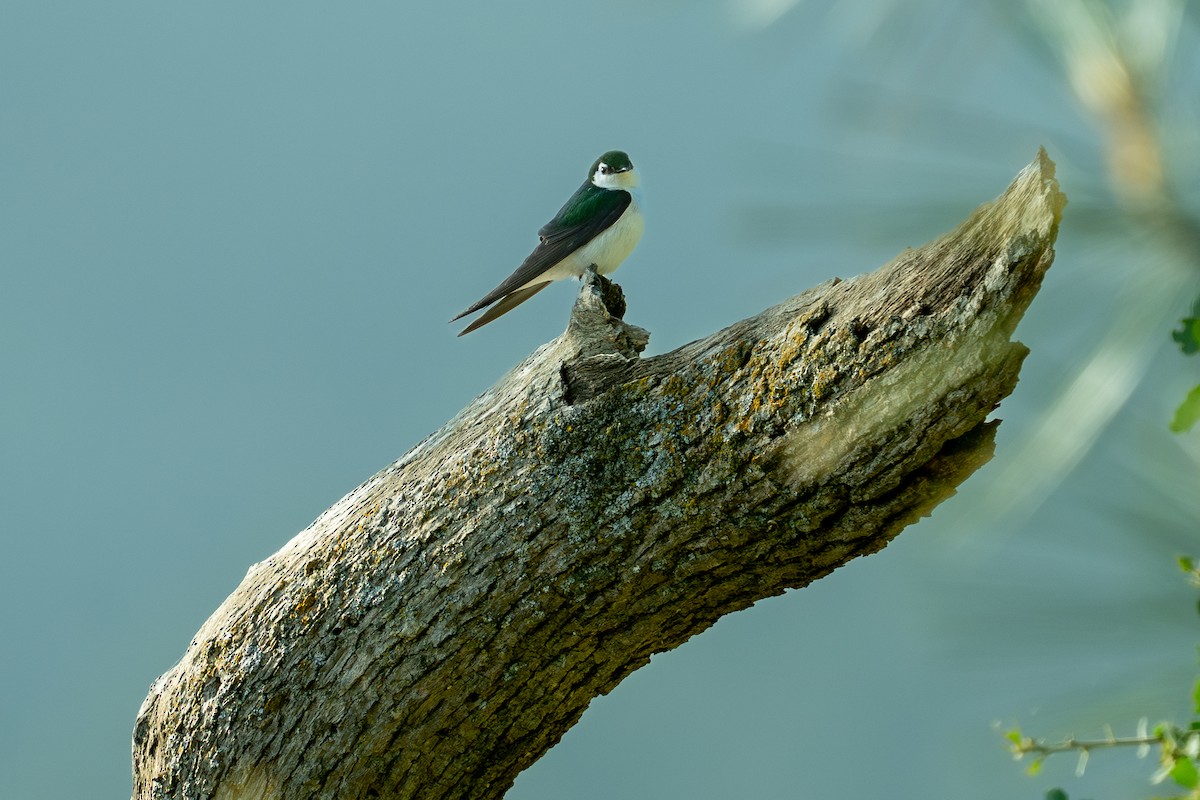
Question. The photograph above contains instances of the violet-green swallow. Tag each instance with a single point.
(598, 227)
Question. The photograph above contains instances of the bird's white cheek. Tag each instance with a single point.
(616, 180)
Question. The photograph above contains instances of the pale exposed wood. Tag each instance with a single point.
(444, 624)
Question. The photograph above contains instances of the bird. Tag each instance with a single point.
(598, 227)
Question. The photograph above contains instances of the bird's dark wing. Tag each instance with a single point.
(589, 211)
(510, 301)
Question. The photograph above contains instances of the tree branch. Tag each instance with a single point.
(439, 628)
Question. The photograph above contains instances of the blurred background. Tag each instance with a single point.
(231, 236)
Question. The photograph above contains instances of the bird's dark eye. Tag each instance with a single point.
(604, 169)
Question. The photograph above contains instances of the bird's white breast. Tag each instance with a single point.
(612, 246)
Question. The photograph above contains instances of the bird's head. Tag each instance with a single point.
(614, 170)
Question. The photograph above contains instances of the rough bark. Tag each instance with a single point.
(438, 629)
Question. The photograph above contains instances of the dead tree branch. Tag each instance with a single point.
(438, 629)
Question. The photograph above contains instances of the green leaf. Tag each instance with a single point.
(1188, 412)
(1186, 563)
(1196, 699)
(1056, 794)
(1188, 336)
(1185, 774)
(1013, 736)
(1035, 767)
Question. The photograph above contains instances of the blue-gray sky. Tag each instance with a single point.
(231, 236)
